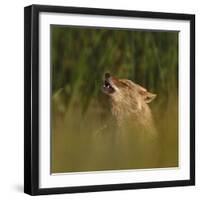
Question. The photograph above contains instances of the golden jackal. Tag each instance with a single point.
(137, 133)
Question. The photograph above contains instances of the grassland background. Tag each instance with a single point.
(79, 58)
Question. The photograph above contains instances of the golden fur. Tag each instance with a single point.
(129, 104)
(136, 137)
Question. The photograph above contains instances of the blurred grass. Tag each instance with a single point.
(79, 58)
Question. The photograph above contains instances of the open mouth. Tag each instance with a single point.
(107, 87)
(107, 84)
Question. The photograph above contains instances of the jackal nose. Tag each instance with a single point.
(107, 75)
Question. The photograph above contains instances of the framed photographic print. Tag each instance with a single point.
(109, 99)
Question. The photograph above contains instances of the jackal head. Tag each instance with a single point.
(126, 91)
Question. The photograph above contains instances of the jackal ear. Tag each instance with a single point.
(149, 97)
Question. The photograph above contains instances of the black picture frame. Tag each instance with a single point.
(31, 99)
